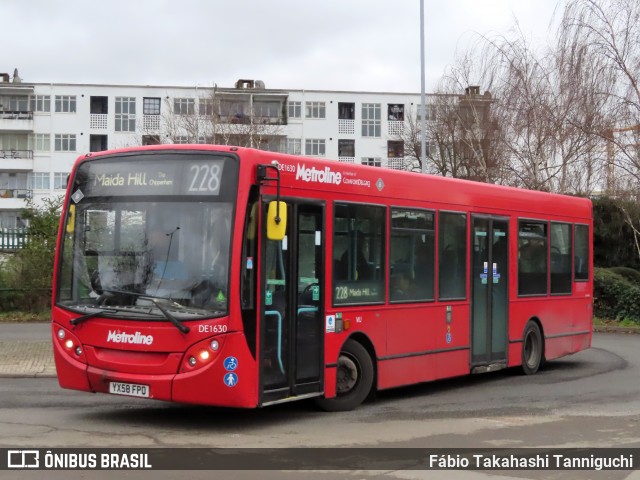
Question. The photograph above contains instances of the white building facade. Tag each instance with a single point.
(45, 127)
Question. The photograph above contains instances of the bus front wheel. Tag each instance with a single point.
(354, 379)
(532, 348)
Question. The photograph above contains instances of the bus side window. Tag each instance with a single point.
(581, 253)
(358, 254)
(411, 255)
(452, 256)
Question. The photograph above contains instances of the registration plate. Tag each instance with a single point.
(131, 389)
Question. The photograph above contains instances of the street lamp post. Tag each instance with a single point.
(423, 106)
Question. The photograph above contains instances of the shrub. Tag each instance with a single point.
(615, 296)
(629, 274)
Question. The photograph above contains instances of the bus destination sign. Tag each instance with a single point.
(201, 177)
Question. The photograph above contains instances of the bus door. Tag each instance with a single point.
(291, 329)
(489, 243)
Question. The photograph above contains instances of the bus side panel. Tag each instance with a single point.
(398, 372)
(207, 386)
(422, 346)
(566, 325)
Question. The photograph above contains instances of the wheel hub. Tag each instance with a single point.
(347, 374)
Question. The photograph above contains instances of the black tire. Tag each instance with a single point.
(354, 379)
(532, 348)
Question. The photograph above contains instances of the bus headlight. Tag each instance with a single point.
(69, 343)
(201, 354)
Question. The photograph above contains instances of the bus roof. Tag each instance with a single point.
(346, 181)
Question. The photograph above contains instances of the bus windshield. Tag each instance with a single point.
(136, 251)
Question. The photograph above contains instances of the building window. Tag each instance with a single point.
(17, 103)
(346, 148)
(65, 142)
(150, 106)
(395, 111)
(294, 109)
(395, 149)
(294, 146)
(125, 114)
(60, 180)
(39, 180)
(358, 254)
(346, 111)
(41, 103)
(151, 140)
(430, 113)
(40, 142)
(205, 140)
(371, 120)
(452, 255)
(411, 255)
(181, 139)
(205, 107)
(65, 103)
(532, 258)
(99, 105)
(184, 106)
(267, 109)
(314, 110)
(98, 143)
(372, 161)
(581, 253)
(314, 147)
(560, 258)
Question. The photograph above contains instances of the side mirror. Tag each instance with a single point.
(276, 220)
(71, 220)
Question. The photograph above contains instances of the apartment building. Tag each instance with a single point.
(44, 127)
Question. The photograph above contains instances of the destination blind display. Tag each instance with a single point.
(197, 176)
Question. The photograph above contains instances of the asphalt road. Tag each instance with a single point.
(585, 400)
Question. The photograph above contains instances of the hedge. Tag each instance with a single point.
(616, 293)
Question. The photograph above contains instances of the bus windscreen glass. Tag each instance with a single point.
(144, 236)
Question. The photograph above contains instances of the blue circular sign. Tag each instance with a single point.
(230, 379)
(230, 364)
(449, 338)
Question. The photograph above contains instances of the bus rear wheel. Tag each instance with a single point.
(354, 379)
(532, 348)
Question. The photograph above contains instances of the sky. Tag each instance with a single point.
(351, 45)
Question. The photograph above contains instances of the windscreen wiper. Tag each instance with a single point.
(181, 326)
(97, 313)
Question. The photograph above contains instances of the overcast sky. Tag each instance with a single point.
(366, 45)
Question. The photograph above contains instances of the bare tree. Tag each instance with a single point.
(610, 32)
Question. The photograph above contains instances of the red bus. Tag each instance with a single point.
(235, 277)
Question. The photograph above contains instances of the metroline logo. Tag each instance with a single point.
(136, 339)
(320, 176)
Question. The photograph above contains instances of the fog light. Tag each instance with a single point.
(69, 344)
(204, 355)
(78, 351)
(192, 361)
(61, 334)
(215, 345)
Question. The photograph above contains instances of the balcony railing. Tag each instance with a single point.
(15, 193)
(346, 127)
(28, 154)
(98, 121)
(12, 238)
(396, 127)
(16, 115)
